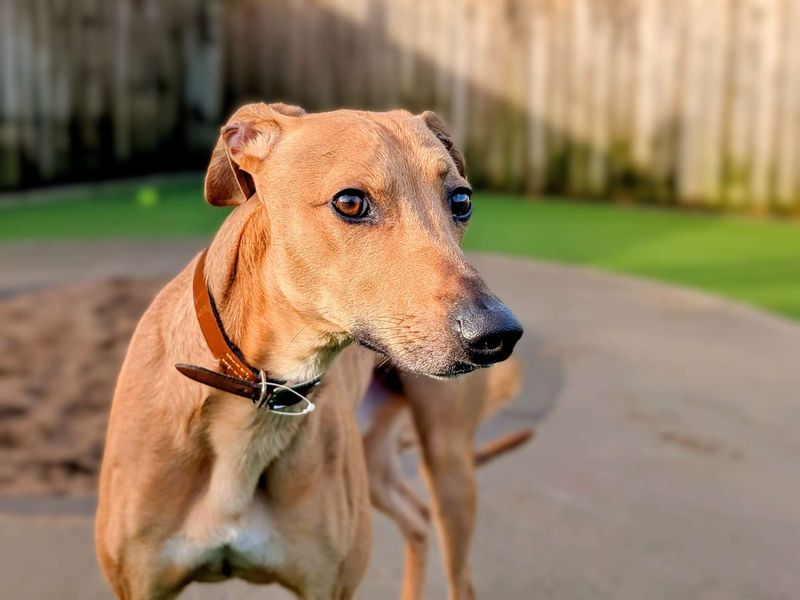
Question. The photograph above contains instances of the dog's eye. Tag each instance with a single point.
(461, 204)
(352, 204)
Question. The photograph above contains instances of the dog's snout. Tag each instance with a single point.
(488, 331)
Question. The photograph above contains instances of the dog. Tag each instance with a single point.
(346, 228)
(439, 417)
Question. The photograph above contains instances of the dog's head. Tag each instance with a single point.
(366, 213)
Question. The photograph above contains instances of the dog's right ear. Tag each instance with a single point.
(243, 145)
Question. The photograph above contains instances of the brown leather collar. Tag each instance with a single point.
(237, 376)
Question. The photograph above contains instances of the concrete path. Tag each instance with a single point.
(666, 464)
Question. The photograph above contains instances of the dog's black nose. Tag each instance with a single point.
(488, 330)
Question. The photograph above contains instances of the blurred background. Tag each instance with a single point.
(637, 167)
(691, 103)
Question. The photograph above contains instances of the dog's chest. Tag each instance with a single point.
(247, 546)
(229, 531)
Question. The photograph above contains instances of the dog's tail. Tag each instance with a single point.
(501, 445)
(504, 382)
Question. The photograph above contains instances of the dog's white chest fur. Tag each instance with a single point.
(230, 546)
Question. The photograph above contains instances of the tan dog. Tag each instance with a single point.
(351, 234)
(441, 416)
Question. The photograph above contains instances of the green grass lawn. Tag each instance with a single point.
(757, 261)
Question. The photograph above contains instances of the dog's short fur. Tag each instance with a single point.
(198, 485)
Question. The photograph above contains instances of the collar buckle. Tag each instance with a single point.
(265, 398)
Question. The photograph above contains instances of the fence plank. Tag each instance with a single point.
(765, 126)
(787, 178)
(10, 159)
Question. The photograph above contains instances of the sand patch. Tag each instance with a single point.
(60, 352)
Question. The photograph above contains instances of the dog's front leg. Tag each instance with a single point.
(135, 579)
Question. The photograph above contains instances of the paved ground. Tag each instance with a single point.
(665, 466)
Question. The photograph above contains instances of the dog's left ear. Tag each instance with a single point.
(243, 145)
(439, 129)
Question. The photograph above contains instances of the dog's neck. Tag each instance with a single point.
(269, 331)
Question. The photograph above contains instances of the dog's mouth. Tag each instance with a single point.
(370, 344)
(453, 369)
(459, 368)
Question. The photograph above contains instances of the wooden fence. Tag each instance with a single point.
(684, 101)
(94, 88)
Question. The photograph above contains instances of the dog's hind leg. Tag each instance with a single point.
(390, 493)
(413, 518)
